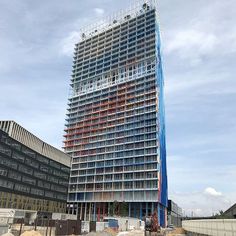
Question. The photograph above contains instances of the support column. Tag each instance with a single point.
(89, 211)
(77, 210)
(103, 210)
(85, 211)
(129, 209)
(146, 209)
(140, 211)
(99, 211)
(94, 211)
(152, 208)
(81, 210)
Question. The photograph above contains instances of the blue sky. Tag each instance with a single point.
(199, 53)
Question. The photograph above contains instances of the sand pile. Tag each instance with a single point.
(177, 231)
(104, 233)
(7, 234)
(31, 233)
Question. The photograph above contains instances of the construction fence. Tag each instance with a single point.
(48, 227)
(213, 227)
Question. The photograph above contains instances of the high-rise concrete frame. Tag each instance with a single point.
(115, 130)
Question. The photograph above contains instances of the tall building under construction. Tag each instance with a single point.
(115, 125)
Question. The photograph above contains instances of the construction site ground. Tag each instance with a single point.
(177, 232)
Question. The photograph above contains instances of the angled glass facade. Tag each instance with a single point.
(30, 180)
(115, 130)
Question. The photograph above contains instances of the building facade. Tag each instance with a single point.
(230, 213)
(33, 174)
(174, 214)
(115, 129)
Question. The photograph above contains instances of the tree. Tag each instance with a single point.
(124, 209)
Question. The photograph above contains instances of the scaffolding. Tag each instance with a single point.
(113, 119)
(138, 7)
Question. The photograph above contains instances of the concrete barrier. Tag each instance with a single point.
(85, 226)
(100, 226)
(127, 223)
(214, 227)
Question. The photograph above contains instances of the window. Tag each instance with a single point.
(14, 175)
(128, 161)
(151, 166)
(18, 157)
(52, 179)
(139, 160)
(25, 169)
(28, 152)
(37, 191)
(108, 186)
(55, 164)
(91, 164)
(50, 194)
(65, 169)
(108, 163)
(43, 184)
(40, 175)
(139, 175)
(61, 196)
(11, 142)
(151, 184)
(28, 180)
(151, 175)
(6, 184)
(5, 150)
(3, 172)
(99, 178)
(118, 185)
(58, 188)
(59, 173)
(128, 185)
(22, 188)
(150, 151)
(45, 168)
(8, 163)
(83, 165)
(128, 176)
(42, 159)
(139, 184)
(31, 162)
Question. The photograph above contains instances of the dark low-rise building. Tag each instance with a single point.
(174, 215)
(231, 212)
(33, 174)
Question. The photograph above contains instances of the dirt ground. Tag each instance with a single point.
(177, 232)
(138, 233)
(31, 233)
(132, 233)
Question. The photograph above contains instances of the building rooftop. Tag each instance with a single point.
(231, 209)
(23, 136)
(137, 8)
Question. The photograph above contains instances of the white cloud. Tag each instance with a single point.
(212, 192)
(67, 44)
(202, 203)
(191, 44)
(99, 11)
(186, 84)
